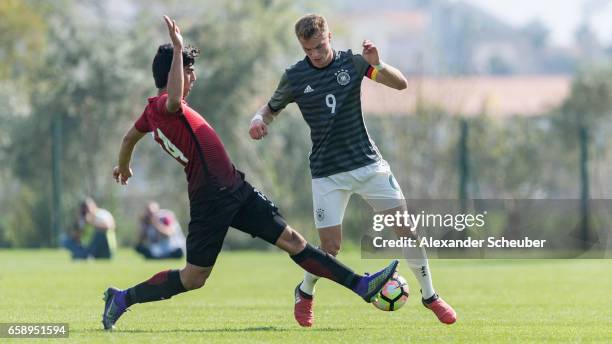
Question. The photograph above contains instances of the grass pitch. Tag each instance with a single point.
(249, 298)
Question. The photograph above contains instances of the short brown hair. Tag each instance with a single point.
(310, 25)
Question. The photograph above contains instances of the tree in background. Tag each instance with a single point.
(85, 81)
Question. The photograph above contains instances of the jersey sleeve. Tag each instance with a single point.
(363, 67)
(142, 124)
(282, 96)
(160, 106)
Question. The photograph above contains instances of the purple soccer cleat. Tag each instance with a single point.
(369, 285)
(114, 307)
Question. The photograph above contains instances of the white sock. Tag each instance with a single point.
(308, 285)
(417, 262)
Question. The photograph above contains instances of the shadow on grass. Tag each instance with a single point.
(223, 330)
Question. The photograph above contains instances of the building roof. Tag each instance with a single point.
(496, 96)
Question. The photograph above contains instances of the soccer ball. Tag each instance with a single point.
(393, 295)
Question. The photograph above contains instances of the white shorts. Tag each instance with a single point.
(375, 183)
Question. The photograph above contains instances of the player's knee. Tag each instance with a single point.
(331, 246)
(194, 282)
(297, 240)
(194, 279)
(291, 241)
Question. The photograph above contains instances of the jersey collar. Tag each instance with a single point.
(321, 68)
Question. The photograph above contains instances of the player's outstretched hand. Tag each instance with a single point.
(258, 129)
(175, 32)
(370, 52)
(122, 175)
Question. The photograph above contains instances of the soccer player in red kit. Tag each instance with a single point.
(219, 196)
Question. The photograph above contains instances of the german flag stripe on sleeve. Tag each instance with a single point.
(372, 73)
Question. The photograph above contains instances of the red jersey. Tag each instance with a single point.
(191, 141)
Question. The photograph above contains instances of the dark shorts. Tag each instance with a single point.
(246, 209)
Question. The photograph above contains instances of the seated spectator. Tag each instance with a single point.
(94, 226)
(160, 234)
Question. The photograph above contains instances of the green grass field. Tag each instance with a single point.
(249, 299)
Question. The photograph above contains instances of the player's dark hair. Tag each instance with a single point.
(310, 25)
(163, 61)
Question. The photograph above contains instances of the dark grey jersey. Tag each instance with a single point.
(330, 101)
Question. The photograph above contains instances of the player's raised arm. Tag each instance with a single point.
(385, 74)
(175, 77)
(122, 172)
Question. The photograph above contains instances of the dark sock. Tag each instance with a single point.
(161, 286)
(325, 265)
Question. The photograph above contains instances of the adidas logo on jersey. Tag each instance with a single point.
(308, 89)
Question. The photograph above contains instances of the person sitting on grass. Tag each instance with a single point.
(95, 226)
(160, 235)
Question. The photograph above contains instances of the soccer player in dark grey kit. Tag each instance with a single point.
(219, 196)
(326, 86)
